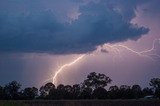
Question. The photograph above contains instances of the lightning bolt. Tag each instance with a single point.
(54, 77)
(143, 53)
(115, 48)
(65, 66)
(136, 52)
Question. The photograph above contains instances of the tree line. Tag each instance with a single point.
(93, 87)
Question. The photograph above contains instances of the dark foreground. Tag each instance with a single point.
(82, 103)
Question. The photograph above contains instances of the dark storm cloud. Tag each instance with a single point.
(152, 9)
(34, 26)
(104, 51)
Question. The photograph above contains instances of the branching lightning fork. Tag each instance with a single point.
(116, 49)
(64, 66)
(54, 77)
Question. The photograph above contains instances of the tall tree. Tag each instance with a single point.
(2, 93)
(58, 93)
(68, 92)
(157, 93)
(86, 93)
(114, 92)
(155, 83)
(125, 92)
(44, 90)
(29, 93)
(12, 90)
(95, 80)
(48, 87)
(100, 93)
(43, 93)
(76, 89)
(147, 91)
(137, 91)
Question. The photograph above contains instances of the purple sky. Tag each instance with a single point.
(38, 37)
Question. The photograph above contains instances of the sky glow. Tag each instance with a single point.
(58, 41)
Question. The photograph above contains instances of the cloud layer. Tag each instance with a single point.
(79, 27)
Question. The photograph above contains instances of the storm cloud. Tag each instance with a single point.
(66, 27)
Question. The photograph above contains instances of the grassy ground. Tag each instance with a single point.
(82, 103)
(12, 103)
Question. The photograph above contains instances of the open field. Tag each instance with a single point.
(82, 103)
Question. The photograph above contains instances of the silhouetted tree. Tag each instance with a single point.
(43, 93)
(76, 89)
(125, 92)
(61, 91)
(29, 93)
(91, 88)
(86, 93)
(44, 90)
(67, 92)
(155, 83)
(114, 92)
(100, 93)
(95, 80)
(137, 91)
(12, 90)
(2, 95)
(53, 94)
(147, 91)
(157, 92)
(48, 87)
(58, 93)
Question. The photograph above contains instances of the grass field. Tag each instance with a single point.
(82, 103)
